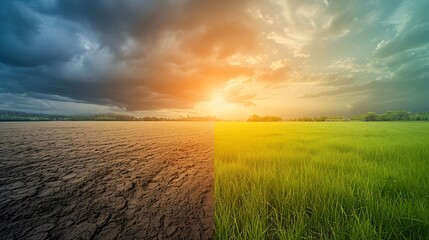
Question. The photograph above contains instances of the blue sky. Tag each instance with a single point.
(228, 58)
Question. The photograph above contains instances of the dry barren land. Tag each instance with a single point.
(106, 180)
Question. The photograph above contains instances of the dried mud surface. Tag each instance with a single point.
(106, 180)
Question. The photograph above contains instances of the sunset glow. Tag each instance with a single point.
(219, 103)
(288, 58)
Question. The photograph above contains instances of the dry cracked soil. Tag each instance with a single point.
(106, 180)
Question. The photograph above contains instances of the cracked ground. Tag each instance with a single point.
(106, 180)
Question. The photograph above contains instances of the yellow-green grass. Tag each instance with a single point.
(350, 180)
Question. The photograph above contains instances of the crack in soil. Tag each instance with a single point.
(106, 180)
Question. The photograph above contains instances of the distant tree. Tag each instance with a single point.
(323, 118)
(271, 119)
(371, 116)
(256, 118)
(401, 116)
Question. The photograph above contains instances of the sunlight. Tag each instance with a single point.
(218, 102)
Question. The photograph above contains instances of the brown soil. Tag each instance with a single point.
(106, 180)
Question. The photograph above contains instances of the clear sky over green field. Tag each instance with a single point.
(229, 58)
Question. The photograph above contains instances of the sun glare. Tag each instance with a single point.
(218, 102)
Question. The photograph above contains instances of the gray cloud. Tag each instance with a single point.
(28, 38)
(137, 55)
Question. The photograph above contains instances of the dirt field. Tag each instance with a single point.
(106, 180)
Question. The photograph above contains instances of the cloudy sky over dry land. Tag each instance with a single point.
(231, 58)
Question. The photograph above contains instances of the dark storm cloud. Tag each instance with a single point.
(138, 55)
(30, 39)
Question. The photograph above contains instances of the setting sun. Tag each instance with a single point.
(218, 102)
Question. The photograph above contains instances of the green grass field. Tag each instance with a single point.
(350, 180)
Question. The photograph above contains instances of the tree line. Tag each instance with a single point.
(6, 115)
(183, 119)
(23, 116)
(256, 118)
(319, 119)
(368, 117)
(392, 116)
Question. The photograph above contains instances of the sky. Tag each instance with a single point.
(229, 58)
